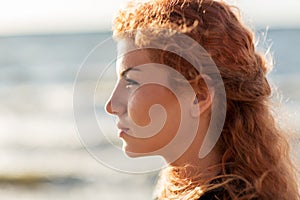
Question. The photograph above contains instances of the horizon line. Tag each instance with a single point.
(107, 31)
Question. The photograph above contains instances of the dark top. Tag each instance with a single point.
(216, 194)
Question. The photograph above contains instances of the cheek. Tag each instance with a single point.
(144, 97)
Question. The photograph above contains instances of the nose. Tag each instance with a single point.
(116, 103)
(108, 107)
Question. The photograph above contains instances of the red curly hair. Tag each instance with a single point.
(255, 153)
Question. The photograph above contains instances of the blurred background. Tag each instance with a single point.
(42, 45)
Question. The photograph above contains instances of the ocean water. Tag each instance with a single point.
(42, 156)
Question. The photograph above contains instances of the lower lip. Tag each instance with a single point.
(121, 133)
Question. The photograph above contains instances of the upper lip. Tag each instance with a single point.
(122, 127)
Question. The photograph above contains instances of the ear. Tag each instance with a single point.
(202, 102)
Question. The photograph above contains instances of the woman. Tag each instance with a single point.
(250, 157)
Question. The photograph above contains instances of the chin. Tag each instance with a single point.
(131, 153)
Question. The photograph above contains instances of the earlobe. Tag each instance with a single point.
(201, 103)
(195, 109)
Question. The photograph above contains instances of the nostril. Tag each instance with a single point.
(115, 105)
(108, 108)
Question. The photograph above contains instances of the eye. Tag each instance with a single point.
(130, 83)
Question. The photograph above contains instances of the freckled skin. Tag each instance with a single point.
(132, 99)
(146, 96)
(134, 106)
(138, 109)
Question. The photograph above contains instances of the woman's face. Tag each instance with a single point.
(140, 86)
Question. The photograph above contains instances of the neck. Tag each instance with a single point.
(194, 167)
(192, 164)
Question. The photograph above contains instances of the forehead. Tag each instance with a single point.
(129, 56)
(149, 71)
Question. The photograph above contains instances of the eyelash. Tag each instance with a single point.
(130, 82)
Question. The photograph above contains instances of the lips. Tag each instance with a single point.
(122, 132)
(123, 129)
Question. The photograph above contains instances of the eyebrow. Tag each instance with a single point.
(123, 73)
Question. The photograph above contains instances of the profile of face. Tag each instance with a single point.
(150, 114)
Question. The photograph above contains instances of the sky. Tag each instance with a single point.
(19, 17)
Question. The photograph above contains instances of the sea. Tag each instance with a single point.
(44, 83)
